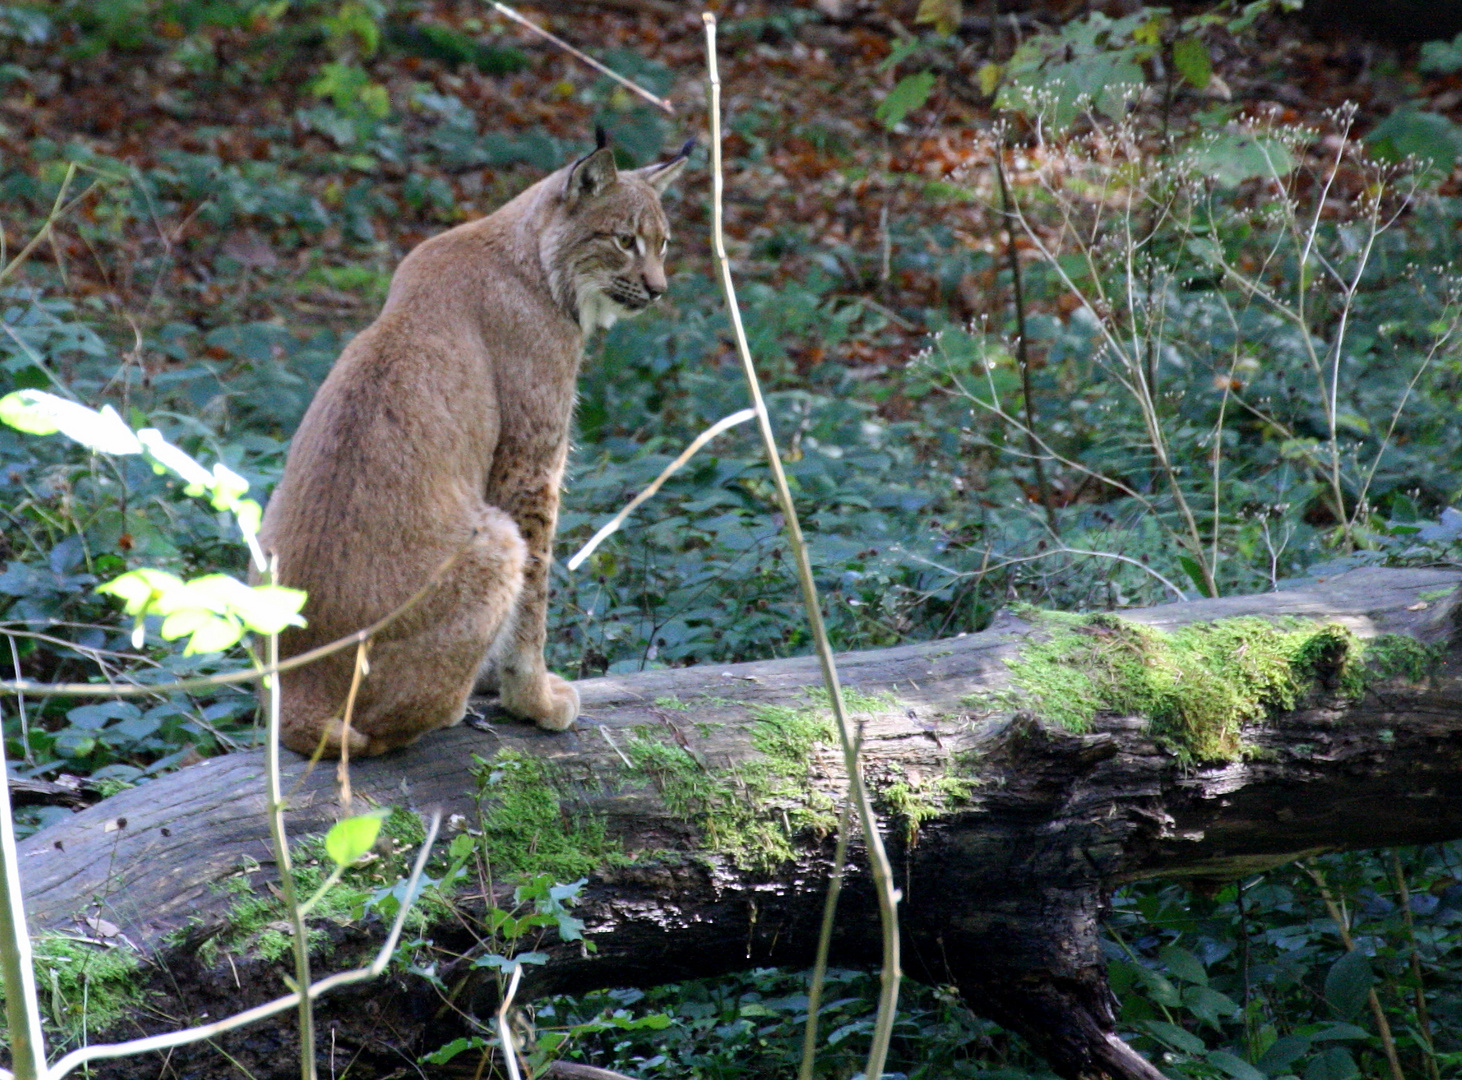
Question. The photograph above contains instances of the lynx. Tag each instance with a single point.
(441, 433)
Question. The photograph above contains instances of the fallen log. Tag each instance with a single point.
(1016, 782)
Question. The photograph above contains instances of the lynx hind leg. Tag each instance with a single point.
(422, 681)
(419, 681)
(311, 724)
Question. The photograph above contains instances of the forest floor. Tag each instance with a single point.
(813, 177)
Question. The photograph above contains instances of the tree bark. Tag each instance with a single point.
(1004, 881)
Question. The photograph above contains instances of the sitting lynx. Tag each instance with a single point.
(442, 430)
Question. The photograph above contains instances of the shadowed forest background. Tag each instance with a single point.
(1074, 305)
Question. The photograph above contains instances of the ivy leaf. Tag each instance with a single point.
(1234, 1065)
(1190, 57)
(1429, 137)
(911, 92)
(944, 14)
(351, 838)
(453, 1048)
(1174, 1036)
(1181, 963)
(1195, 574)
(1333, 1064)
(1231, 157)
(1348, 983)
(1282, 1052)
(1441, 57)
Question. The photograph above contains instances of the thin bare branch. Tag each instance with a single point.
(582, 57)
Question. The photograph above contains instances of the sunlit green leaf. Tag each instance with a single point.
(39, 413)
(1190, 57)
(205, 631)
(352, 837)
(910, 93)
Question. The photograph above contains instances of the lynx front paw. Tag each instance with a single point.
(550, 702)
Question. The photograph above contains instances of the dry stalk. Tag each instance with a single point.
(280, 842)
(887, 893)
(582, 57)
(1383, 1027)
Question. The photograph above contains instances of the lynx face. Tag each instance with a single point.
(616, 257)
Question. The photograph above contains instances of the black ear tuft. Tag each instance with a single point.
(601, 137)
(590, 175)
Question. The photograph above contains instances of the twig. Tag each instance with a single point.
(342, 771)
(262, 1012)
(25, 749)
(1423, 1019)
(610, 527)
(22, 1007)
(1022, 350)
(510, 1050)
(280, 841)
(887, 893)
(37, 689)
(583, 57)
(628, 764)
(58, 210)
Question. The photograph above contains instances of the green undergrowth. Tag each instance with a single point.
(83, 987)
(258, 925)
(1200, 684)
(1396, 656)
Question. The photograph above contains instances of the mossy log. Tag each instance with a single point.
(700, 800)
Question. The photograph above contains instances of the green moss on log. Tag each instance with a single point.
(84, 987)
(750, 811)
(527, 831)
(1396, 656)
(1198, 685)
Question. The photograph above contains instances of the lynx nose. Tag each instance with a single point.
(653, 279)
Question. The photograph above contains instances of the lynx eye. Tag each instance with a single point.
(624, 241)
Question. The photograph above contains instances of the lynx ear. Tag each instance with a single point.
(590, 175)
(661, 175)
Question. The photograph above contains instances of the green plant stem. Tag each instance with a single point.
(1383, 1027)
(1022, 350)
(22, 1007)
(884, 888)
(286, 871)
(1423, 1019)
(58, 210)
(824, 945)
